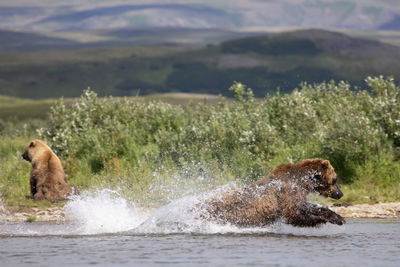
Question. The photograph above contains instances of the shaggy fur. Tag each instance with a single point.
(47, 179)
(280, 195)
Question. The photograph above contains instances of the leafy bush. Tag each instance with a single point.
(155, 151)
(386, 106)
(248, 136)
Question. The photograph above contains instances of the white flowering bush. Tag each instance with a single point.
(141, 148)
(386, 106)
(345, 129)
(330, 120)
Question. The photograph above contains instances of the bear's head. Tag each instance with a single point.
(325, 179)
(34, 148)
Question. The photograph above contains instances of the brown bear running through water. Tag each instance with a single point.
(280, 195)
(47, 179)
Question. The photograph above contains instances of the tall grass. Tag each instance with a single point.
(142, 147)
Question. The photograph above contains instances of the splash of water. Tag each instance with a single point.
(192, 179)
(184, 216)
(104, 211)
(3, 210)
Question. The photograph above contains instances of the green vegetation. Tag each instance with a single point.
(17, 109)
(281, 45)
(150, 150)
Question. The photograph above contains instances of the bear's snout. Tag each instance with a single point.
(25, 156)
(333, 191)
(336, 193)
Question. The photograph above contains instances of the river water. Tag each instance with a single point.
(107, 231)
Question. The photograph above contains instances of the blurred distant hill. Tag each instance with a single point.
(129, 47)
(37, 41)
(76, 15)
(39, 66)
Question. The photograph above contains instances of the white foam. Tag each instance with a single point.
(183, 216)
(3, 210)
(103, 211)
(106, 211)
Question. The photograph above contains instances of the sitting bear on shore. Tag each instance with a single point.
(47, 179)
(281, 195)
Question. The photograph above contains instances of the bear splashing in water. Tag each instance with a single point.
(281, 195)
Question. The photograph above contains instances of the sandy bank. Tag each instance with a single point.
(379, 210)
(15, 214)
(58, 214)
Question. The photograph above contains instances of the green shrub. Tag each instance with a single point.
(326, 120)
(137, 146)
(386, 106)
(154, 152)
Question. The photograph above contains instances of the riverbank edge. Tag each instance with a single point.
(59, 214)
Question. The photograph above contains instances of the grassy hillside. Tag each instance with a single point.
(54, 41)
(17, 109)
(264, 63)
(22, 110)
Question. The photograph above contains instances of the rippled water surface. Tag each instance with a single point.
(359, 242)
(107, 231)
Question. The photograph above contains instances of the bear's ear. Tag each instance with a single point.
(32, 144)
(325, 163)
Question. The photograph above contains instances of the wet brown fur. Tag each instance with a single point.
(280, 195)
(47, 178)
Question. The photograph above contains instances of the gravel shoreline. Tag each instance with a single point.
(379, 210)
(58, 214)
